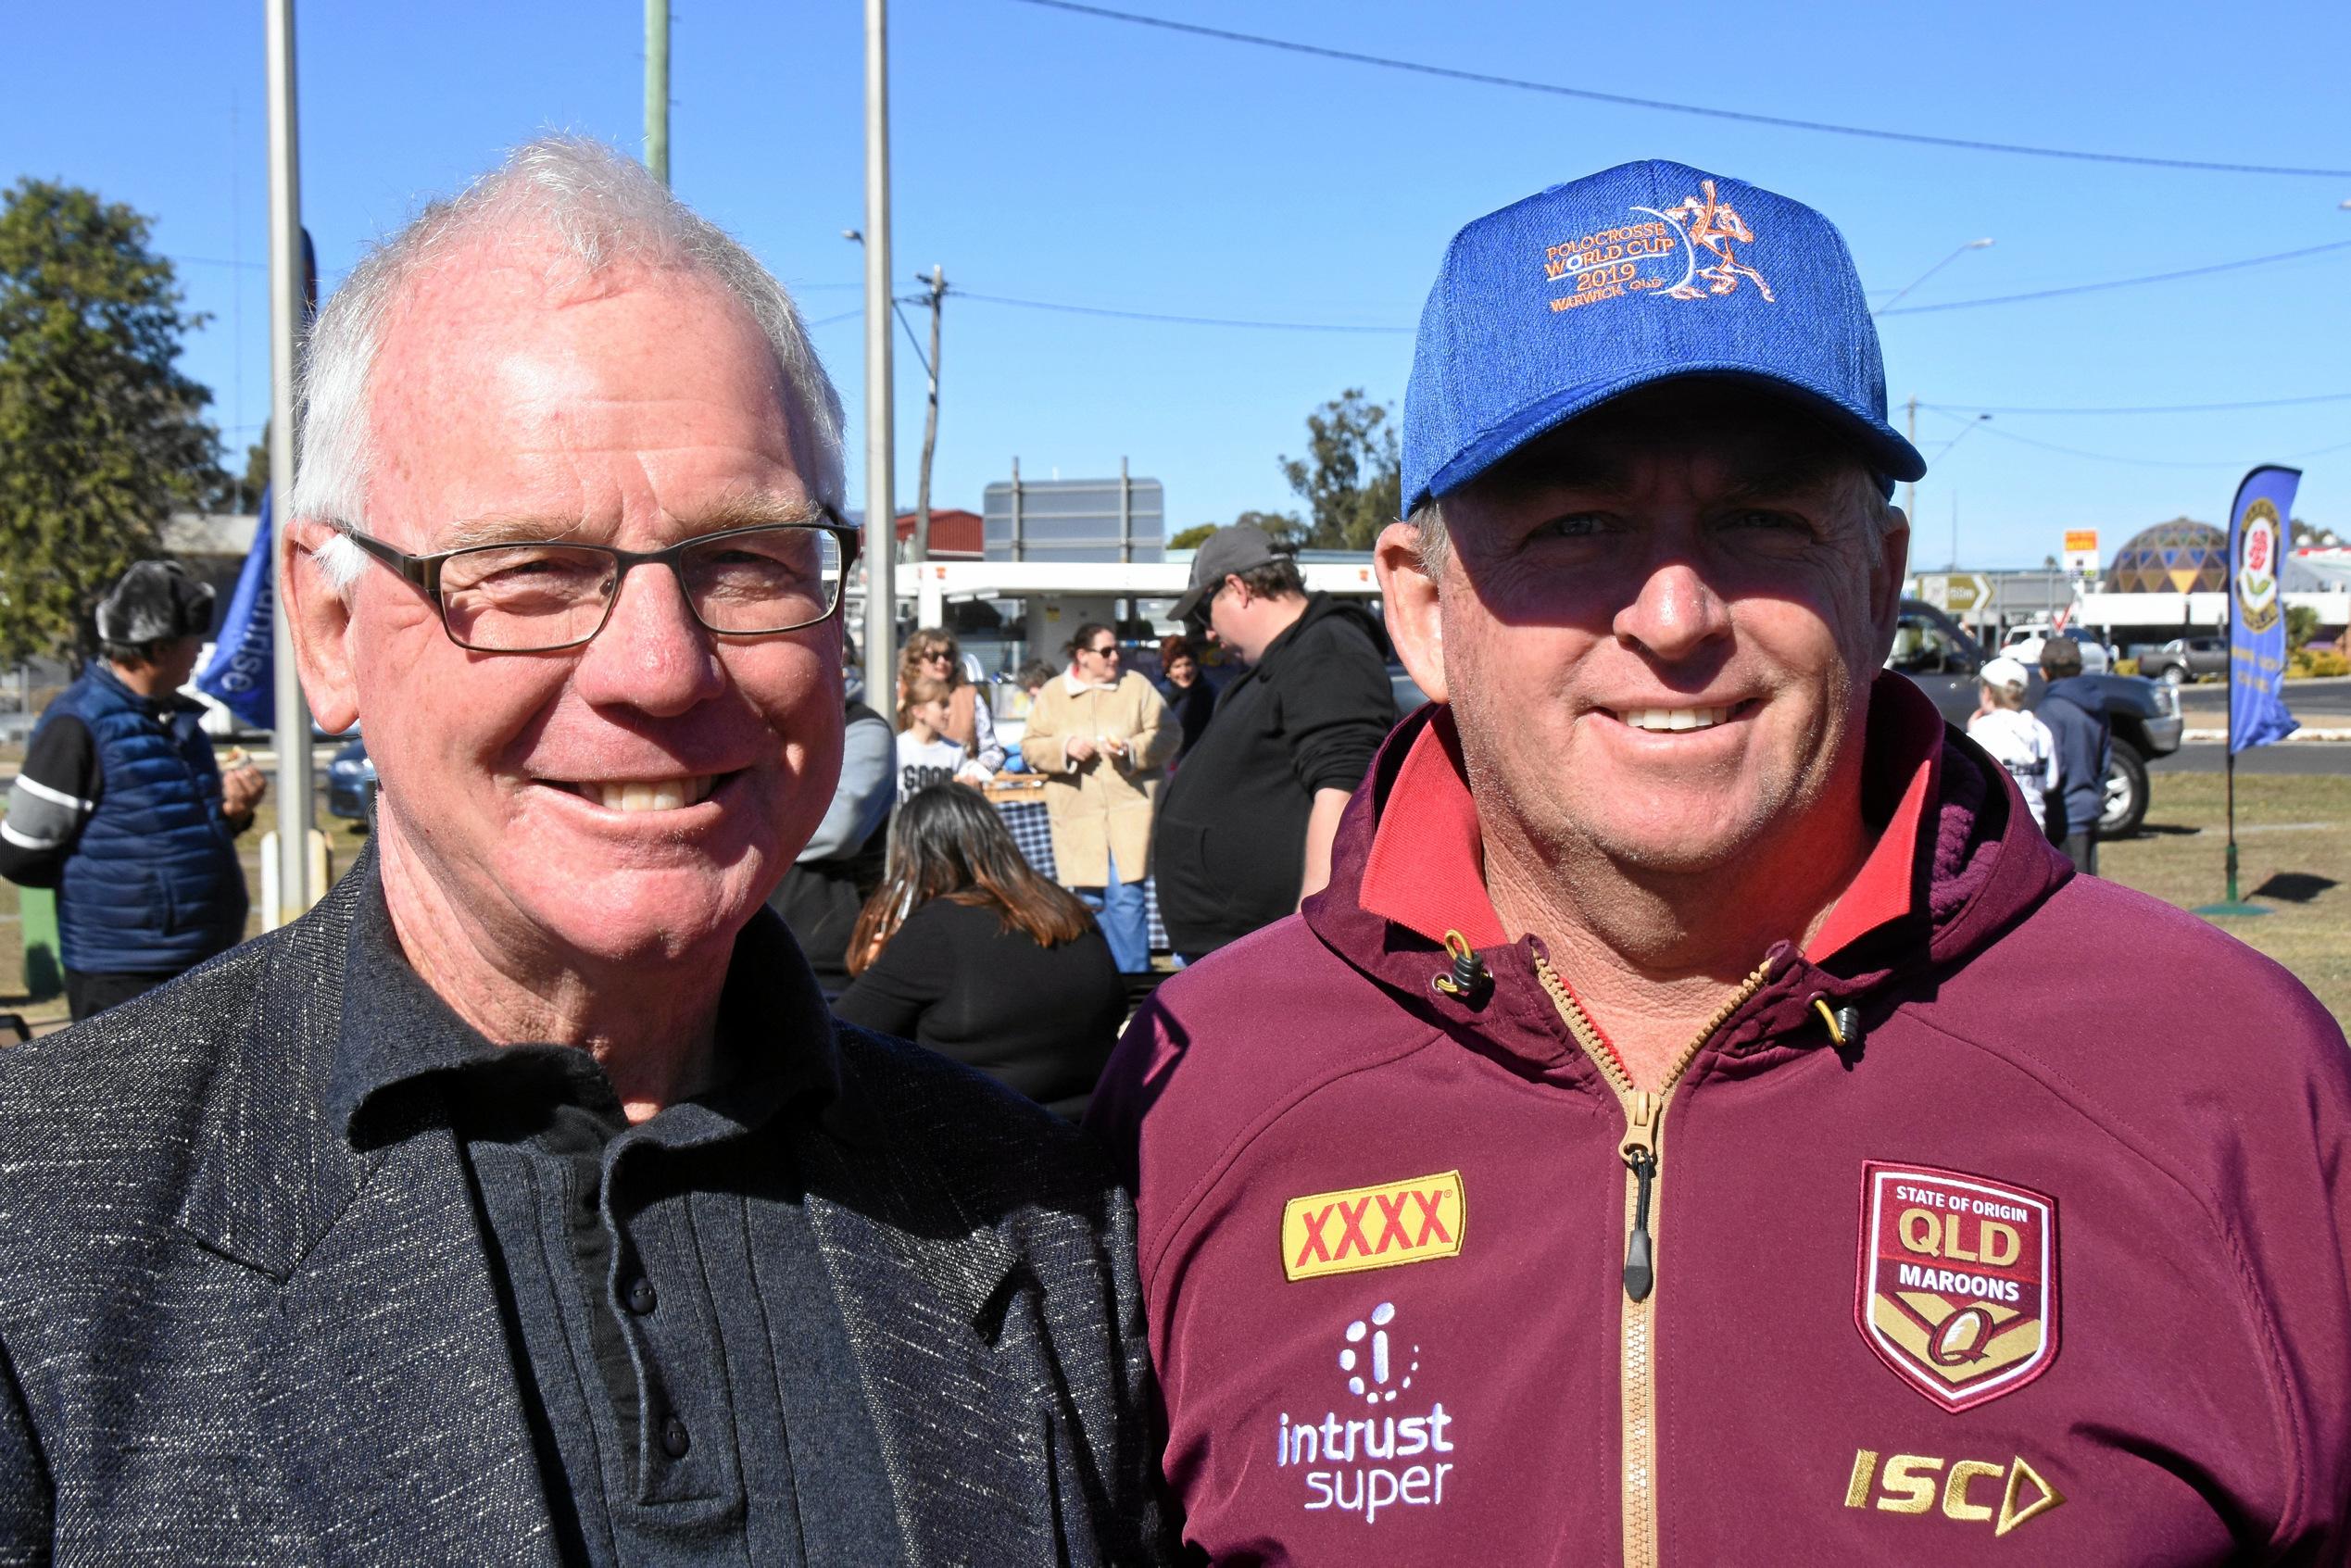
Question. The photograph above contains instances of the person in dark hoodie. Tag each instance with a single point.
(2077, 717)
(1703, 1121)
(1244, 829)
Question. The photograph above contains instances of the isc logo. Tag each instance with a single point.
(1373, 1227)
(1911, 1483)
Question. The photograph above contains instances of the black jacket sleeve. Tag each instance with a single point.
(54, 793)
(1337, 706)
(898, 987)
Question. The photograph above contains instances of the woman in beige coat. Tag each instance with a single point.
(1101, 739)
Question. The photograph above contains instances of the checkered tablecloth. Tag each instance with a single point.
(1033, 835)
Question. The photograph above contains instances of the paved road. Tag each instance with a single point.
(2291, 757)
(2316, 703)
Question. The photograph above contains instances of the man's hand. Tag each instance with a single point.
(242, 788)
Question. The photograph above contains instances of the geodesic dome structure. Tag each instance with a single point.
(2179, 557)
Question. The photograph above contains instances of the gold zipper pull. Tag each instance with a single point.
(1640, 1117)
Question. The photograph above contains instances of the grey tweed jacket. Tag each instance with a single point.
(229, 1337)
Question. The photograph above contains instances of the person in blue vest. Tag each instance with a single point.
(121, 807)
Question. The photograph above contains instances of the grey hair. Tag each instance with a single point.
(598, 208)
(1435, 546)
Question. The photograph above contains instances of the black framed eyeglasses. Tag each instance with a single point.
(540, 596)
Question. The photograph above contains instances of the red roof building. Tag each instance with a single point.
(955, 536)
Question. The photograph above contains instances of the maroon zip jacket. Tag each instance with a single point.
(2005, 1224)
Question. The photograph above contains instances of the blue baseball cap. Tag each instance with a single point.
(1638, 274)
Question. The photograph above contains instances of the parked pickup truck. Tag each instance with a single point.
(2186, 658)
(1938, 656)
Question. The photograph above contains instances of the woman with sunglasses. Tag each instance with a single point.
(932, 652)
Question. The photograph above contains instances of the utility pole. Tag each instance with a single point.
(881, 506)
(920, 548)
(1910, 490)
(657, 89)
(286, 278)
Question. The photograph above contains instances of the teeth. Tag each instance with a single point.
(1660, 719)
(649, 794)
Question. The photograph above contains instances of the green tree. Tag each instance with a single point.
(2302, 624)
(256, 475)
(1351, 478)
(1191, 538)
(100, 434)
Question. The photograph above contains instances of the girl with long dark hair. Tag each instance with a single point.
(966, 949)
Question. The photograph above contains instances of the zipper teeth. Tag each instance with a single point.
(1637, 1373)
(1586, 1033)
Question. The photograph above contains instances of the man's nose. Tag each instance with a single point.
(1676, 612)
(652, 654)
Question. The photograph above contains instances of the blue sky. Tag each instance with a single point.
(1045, 156)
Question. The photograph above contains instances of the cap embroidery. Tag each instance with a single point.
(1715, 224)
(1609, 263)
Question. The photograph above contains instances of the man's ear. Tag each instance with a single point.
(320, 623)
(1887, 572)
(1415, 623)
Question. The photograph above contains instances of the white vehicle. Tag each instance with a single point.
(2023, 644)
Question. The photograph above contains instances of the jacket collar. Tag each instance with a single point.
(1951, 864)
(385, 1331)
(773, 1040)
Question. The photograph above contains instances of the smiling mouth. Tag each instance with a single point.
(1673, 720)
(643, 795)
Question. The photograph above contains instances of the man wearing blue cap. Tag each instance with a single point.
(1667, 1139)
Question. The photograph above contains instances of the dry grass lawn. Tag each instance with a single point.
(2294, 858)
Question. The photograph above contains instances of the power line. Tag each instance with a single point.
(2145, 409)
(1178, 320)
(2129, 463)
(2121, 283)
(1708, 111)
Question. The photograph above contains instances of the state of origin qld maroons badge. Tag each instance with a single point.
(1958, 1286)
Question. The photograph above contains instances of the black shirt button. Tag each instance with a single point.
(640, 1295)
(674, 1441)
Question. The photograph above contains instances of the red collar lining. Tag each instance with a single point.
(1426, 869)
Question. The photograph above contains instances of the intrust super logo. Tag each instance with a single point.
(1386, 1458)
(1373, 1227)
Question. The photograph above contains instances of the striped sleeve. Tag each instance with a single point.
(52, 798)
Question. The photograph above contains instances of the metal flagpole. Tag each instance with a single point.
(881, 507)
(294, 813)
(2228, 764)
(657, 89)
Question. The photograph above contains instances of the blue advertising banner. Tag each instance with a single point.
(243, 660)
(2257, 539)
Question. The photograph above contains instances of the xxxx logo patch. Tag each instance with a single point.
(1958, 1288)
(1373, 1227)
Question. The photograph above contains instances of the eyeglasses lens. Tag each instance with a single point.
(521, 598)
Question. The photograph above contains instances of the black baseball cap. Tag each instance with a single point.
(1241, 546)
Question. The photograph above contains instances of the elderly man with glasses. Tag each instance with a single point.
(522, 1203)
